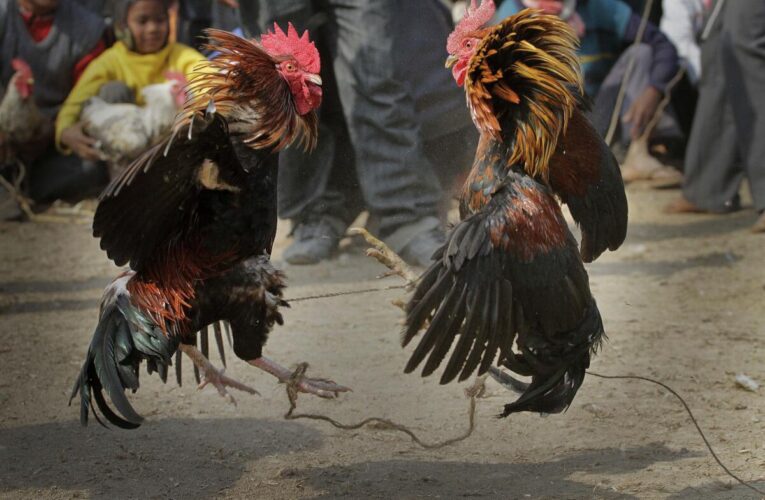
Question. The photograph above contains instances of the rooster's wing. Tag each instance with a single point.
(153, 204)
(509, 273)
(586, 176)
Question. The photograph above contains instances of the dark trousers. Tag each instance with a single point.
(727, 143)
(371, 147)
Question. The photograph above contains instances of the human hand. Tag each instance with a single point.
(642, 111)
(230, 3)
(78, 141)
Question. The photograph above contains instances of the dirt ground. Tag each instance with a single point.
(682, 301)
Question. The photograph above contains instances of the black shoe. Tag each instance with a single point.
(419, 251)
(314, 240)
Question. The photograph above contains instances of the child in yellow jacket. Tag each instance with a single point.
(141, 57)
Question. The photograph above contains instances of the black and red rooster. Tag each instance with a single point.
(195, 218)
(509, 284)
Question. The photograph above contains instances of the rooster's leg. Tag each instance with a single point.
(323, 388)
(387, 257)
(213, 375)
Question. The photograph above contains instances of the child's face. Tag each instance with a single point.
(149, 25)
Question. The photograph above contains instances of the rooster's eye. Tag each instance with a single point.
(290, 67)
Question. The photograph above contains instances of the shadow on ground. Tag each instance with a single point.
(663, 268)
(412, 478)
(725, 489)
(706, 226)
(180, 458)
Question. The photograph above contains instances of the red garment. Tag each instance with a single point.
(39, 27)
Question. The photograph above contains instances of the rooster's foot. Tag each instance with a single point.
(297, 381)
(214, 376)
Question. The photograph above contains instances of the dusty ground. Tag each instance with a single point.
(682, 301)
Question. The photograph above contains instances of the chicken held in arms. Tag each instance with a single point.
(509, 284)
(195, 218)
(21, 121)
(124, 130)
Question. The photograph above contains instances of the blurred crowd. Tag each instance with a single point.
(677, 86)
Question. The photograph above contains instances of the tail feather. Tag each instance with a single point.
(116, 350)
(551, 391)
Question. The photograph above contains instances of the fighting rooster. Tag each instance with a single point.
(510, 280)
(195, 217)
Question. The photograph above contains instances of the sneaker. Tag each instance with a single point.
(314, 240)
(419, 251)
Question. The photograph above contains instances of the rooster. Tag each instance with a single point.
(195, 217)
(509, 283)
(21, 121)
(123, 131)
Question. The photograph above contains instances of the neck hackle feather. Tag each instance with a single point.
(524, 84)
(245, 86)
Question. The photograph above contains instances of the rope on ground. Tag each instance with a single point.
(472, 392)
(693, 419)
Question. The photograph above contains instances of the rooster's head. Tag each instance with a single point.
(297, 61)
(22, 78)
(463, 41)
(178, 89)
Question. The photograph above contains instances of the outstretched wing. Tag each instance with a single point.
(586, 176)
(154, 202)
(508, 274)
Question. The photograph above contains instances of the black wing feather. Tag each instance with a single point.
(161, 189)
(493, 296)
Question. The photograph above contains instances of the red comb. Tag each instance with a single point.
(277, 43)
(475, 18)
(175, 76)
(21, 66)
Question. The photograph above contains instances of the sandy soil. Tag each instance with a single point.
(682, 301)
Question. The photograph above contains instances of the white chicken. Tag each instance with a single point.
(21, 121)
(123, 131)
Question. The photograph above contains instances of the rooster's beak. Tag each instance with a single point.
(315, 79)
(451, 61)
(30, 81)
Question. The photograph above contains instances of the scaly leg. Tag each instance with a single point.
(387, 257)
(324, 388)
(213, 375)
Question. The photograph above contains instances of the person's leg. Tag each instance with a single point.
(712, 175)
(452, 157)
(636, 84)
(55, 176)
(310, 194)
(744, 68)
(398, 182)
